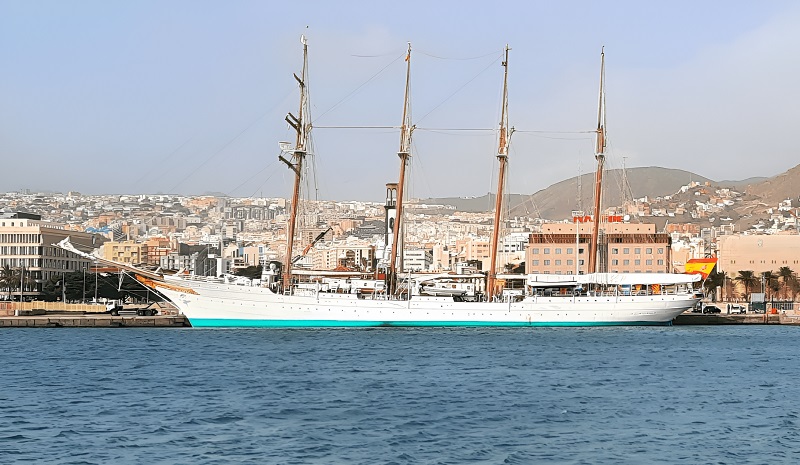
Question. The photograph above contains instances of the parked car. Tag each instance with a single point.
(736, 309)
(711, 309)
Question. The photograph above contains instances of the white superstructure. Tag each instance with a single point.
(547, 300)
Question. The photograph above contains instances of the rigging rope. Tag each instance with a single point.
(457, 59)
(459, 89)
(354, 91)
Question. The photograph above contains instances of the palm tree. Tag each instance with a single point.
(748, 279)
(9, 279)
(786, 275)
(770, 284)
(12, 278)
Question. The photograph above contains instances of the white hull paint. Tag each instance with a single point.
(217, 304)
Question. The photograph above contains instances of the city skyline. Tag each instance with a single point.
(187, 98)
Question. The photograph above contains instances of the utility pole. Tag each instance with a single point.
(21, 278)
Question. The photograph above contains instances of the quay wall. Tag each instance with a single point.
(13, 308)
(94, 321)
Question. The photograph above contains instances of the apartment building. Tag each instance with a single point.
(352, 254)
(27, 244)
(563, 248)
(417, 259)
(129, 252)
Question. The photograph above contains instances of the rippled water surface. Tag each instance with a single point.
(556, 395)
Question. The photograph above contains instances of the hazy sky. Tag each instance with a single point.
(190, 96)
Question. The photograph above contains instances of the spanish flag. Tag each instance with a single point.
(701, 266)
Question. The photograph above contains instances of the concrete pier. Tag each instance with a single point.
(94, 321)
(746, 319)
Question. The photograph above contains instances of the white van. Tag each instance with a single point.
(736, 309)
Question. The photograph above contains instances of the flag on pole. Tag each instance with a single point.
(701, 266)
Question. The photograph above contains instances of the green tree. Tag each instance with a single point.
(69, 286)
(748, 279)
(8, 279)
(786, 276)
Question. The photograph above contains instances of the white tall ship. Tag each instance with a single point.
(303, 298)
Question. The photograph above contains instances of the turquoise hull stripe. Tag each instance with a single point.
(241, 323)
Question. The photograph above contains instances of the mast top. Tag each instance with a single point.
(600, 145)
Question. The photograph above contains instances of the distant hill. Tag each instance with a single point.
(557, 201)
(777, 188)
(741, 185)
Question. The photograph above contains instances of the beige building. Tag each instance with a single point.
(354, 254)
(125, 252)
(26, 243)
(562, 248)
(473, 249)
(758, 253)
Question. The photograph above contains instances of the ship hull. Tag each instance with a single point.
(223, 305)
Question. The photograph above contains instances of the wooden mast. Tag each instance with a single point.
(502, 159)
(599, 154)
(403, 153)
(296, 165)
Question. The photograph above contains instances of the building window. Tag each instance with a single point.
(649, 261)
(558, 262)
(615, 262)
(660, 261)
(535, 262)
(558, 250)
(626, 250)
(569, 251)
(660, 250)
(546, 262)
(637, 262)
(546, 251)
(581, 251)
(580, 262)
(570, 262)
(535, 250)
(637, 250)
(614, 251)
(648, 250)
(626, 262)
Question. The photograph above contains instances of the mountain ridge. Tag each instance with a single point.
(557, 201)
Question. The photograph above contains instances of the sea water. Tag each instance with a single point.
(717, 394)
